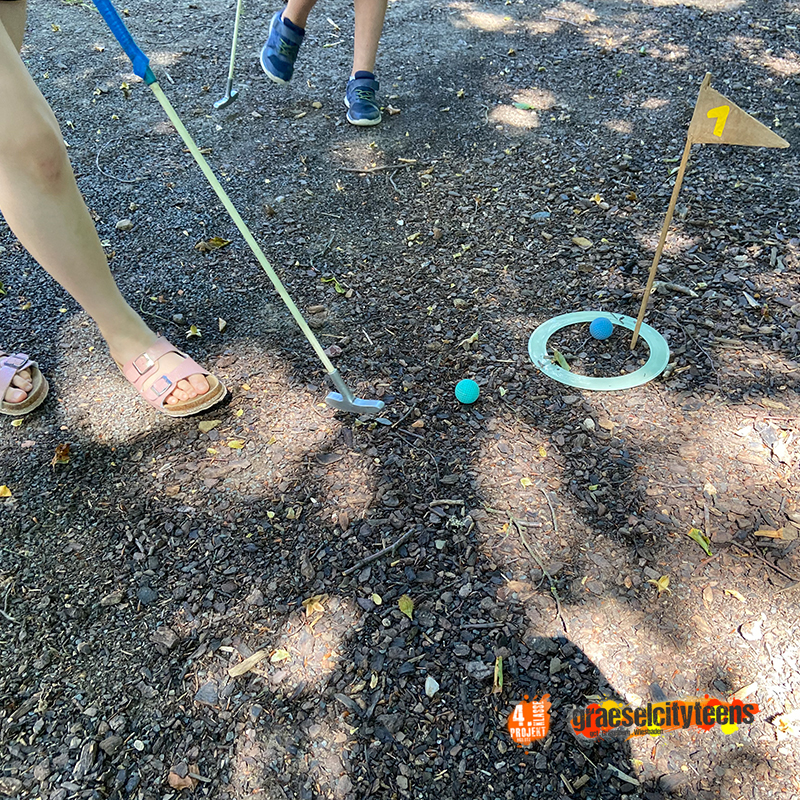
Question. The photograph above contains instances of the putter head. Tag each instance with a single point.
(344, 400)
(355, 405)
(230, 96)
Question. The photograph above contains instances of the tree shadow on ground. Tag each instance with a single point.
(148, 533)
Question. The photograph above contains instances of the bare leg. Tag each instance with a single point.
(369, 24)
(44, 208)
(297, 11)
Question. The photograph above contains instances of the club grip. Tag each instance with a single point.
(141, 63)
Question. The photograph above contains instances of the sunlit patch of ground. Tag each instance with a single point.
(515, 118)
(703, 5)
(619, 126)
(304, 651)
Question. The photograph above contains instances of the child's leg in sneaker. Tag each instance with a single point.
(297, 11)
(286, 32)
(369, 24)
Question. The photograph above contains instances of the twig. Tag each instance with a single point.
(8, 616)
(108, 174)
(552, 511)
(480, 626)
(390, 176)
(561, 19)
(535, 557)
(157, 316)
(366, 170)
(410, 410)
(323, 251)
(375, 556)
(766, 561)
(445, 503)
(689, 336)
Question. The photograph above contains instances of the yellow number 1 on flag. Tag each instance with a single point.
(720, 113)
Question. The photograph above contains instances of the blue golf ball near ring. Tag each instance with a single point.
(467, 391)
(601, 328)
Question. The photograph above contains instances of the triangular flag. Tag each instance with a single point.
(716, 120)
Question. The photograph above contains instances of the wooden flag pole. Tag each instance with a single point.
(667, 221)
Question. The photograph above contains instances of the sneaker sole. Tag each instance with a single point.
(364, 123)
(361, 123)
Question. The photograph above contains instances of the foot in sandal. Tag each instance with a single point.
(170, 381)
(22, 385)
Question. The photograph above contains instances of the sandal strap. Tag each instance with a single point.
(139, 370)
(10, 365)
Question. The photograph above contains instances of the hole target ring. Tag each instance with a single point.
(655, 365)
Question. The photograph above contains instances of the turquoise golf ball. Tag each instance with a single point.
(467, 391)
(601, 328)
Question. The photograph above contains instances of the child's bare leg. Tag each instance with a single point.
(369, 24)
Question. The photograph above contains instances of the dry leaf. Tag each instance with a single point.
(744, 692)
(61, 455)
(662, 584)
(735, 594)
(245, 666)
(526, 482)
(708, 597)
(406, 605)
(770, 533)
(5, 491)
(236, 444)
(314, 604)
(221, 324)
(377, 599)
(581, 241)
(17, 423)
(774, 404)
(193, 331)
(214, 243)
(280, 655)
(788, 724)
(177, 782)
(208, 425)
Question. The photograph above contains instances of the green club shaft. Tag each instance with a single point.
(240, 224)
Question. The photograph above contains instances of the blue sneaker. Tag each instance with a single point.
(362, 107)
(280, 52)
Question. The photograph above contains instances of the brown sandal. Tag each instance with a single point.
(10, 365)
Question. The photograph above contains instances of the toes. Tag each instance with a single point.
(199, 384)
(13, 395)
(22, 380)
(187, 389)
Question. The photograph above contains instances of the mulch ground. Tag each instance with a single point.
(544, 526)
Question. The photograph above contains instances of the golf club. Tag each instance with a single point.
(343, 400)
(230, 92)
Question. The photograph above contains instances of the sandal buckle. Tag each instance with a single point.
(146, 363)
(17, 360)
(160, 386)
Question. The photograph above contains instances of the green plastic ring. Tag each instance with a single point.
(656, 363)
